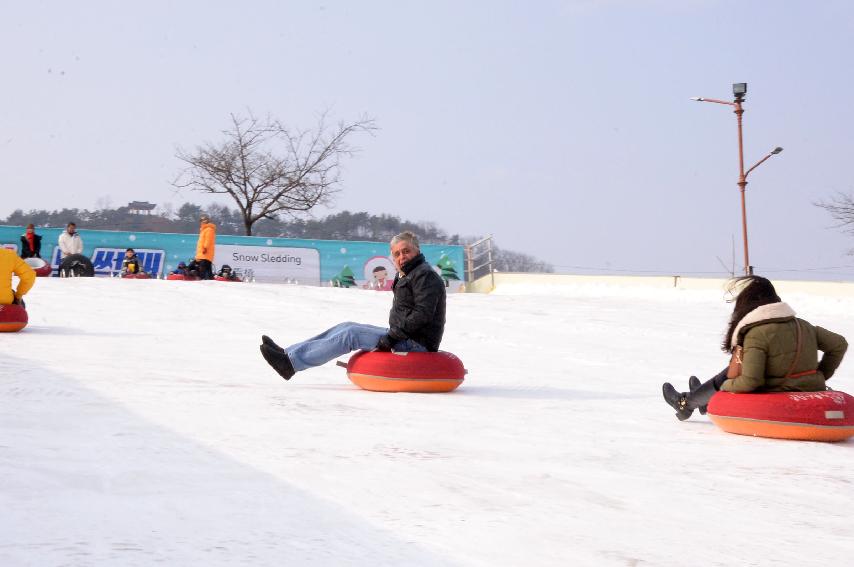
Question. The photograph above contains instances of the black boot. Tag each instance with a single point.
(279, 361)
(686, 403)
(693, 384)
(270, 343)
(676, 400)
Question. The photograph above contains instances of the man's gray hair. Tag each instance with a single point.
(407, 236)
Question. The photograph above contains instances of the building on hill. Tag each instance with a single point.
(141, 207)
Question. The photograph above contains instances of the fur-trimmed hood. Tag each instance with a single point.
(770, 312)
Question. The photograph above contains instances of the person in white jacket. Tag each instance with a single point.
(70, 242)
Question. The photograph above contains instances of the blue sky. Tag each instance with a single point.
(563, 128)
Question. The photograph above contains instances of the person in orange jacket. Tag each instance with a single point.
(11, 263)
(205, 247)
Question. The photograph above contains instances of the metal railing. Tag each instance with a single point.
(479, 260)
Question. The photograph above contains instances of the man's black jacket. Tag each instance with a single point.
(418, 311)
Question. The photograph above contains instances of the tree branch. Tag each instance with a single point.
(269, 169)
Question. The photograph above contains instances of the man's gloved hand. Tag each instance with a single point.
(385, 343)
(19, 301)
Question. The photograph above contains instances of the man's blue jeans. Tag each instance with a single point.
(339, 340)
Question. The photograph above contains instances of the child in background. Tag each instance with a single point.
(181, 270)
(130, 265)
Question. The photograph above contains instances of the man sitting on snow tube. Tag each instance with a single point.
(227, 274)
(11, 263)
(181, 270)
(192, 269)
(130, 264)
(416, 321)
(779, 352)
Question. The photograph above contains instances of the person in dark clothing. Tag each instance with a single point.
(416, 320)
(130, 264)
(205, 271)
(227, 273)
(193, 268)
(778, 351)
(31, 243)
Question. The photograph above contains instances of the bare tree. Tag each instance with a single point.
(509, 261)
(271, 169)
(841, 208)
(167, 210)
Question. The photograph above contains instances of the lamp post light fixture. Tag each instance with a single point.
(739, 91)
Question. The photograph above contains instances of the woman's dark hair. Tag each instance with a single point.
(753, 292)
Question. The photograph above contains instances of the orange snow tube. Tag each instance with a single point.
(422, 372)
(13, 318)
(806, 416)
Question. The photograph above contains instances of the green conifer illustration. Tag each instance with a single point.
(449, 272)
(345, 278)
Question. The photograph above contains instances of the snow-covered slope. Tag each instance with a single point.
(139, 426)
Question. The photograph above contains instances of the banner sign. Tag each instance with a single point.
(340, 263)
(271, 264)
(108, 261)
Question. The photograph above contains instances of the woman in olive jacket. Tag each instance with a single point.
(780, 351)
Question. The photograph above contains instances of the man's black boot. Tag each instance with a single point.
(270, 343)
(279, 361)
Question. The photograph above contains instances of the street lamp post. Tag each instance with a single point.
(739, 90)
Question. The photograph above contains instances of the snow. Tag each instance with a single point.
(139, 425)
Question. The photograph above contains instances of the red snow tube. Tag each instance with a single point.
(41, 267)
(222, 279)
(406, 371)
(12, 318)
(181, 278)
(139, 276)
(807, 416)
